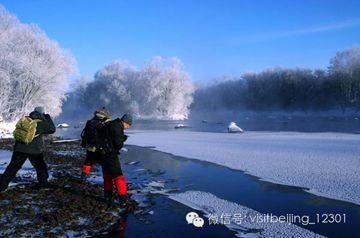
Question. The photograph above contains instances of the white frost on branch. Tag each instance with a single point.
(160, 90)
(34, 70)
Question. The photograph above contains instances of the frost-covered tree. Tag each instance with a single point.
(288, 88)
(34, 70)
(112, 88)
(4, 92)
(345, 69)
(161, 89)
(168, 90)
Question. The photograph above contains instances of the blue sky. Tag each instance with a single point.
(212, 38)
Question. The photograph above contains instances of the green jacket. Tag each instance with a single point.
(44, 127)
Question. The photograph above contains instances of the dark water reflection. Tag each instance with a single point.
(168, 219)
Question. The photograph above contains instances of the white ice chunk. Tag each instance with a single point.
(156, 184)
(179, 126)
(63, 125)
(233, 128)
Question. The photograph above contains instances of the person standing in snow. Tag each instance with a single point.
(28, 135)
(90, 140)
(113, 139)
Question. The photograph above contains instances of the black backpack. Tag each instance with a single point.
(90, 135)
(104, 144)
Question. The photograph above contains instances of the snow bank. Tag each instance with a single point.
(243, 220)
(6, 129)
(328, 164)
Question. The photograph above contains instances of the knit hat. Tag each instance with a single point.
(127, 118)
(39, 110)
(102, 113)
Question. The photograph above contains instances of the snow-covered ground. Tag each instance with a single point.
(6, 129)
(244, 221)
(326, 164)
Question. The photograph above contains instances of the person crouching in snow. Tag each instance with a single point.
(28, 136)
(90, 139)
(113, 139)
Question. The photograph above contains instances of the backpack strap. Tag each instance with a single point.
(37, 121)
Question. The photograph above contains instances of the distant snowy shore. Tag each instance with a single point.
(325, 164)
(6, 129)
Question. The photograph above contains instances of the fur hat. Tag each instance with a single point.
(127, 118)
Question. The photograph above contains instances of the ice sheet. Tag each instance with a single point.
(327, 164)
(243, 220)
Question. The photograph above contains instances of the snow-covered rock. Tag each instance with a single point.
(233, 128)
(179, 126)
(63, 125)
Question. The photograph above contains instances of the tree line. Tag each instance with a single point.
(337, 87)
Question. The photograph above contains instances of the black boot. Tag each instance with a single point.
(83, 177)
(126, 202)
(108, 195)
(3, 187)
(43, 185)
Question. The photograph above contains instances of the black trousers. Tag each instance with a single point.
(17, 161)
(110, 164)
(91, 158)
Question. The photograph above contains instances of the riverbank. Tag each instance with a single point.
(68, 208)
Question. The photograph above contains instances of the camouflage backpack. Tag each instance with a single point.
(25, 130)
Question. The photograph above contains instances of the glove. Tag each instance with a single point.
(125, 138)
